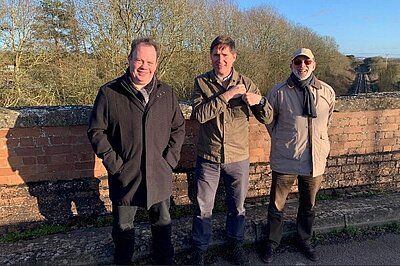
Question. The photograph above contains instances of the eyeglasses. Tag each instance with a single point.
(298, 62)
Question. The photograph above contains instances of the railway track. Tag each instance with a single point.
(362, 84)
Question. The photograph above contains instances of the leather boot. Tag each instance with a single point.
(239, 255)
(163, 251)
(308, 250)
(268, 254)
(124, 242)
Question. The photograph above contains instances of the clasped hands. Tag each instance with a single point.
(240, 91)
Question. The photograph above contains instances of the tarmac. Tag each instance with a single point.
(93, 246)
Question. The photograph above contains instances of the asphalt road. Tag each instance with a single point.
(382, 249)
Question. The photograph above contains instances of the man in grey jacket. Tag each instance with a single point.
(302, 107)
(137, 128)
(223, 100)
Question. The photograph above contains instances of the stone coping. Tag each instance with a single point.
(368, 102)
(76, 115)
(54, 116)
(44, 116)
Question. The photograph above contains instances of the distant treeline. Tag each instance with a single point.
(384, 73)
(55, 52)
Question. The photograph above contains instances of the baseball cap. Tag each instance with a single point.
(302, 51)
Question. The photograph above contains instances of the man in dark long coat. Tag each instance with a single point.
(137, 129)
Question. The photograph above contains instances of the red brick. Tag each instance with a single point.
(43, 159)
(84, 173)
(29, 151)
(73, 157)
(84, 166)
(386, 142)
(388, 127)
(59, 149)
(352, 144)
(15, 161)
(87, 156)
(55, 131)
(78, 131)
(7, 172)
(26, 142)
(11, 180)
(56, 140)
(4, 132)
(12, 143)
(23, 132)
(341, 122)
(58, 158)
(29, 160)
(42, 141)
(61, 167)
(4, 180)
(27, 170)
(387, 148)
(353, 129)
(81, 148)
(82, 139)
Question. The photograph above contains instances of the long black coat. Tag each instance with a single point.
(139, 145)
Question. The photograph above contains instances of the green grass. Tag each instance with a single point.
(352, 232)
(34, 233)
(50, 229)
(332, 194)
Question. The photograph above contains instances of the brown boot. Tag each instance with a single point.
(268, 255)
(308, 251)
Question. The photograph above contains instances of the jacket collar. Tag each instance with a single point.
(235, 77)
(156, 91)
(154, 83)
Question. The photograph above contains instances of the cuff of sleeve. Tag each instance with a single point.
(262, 101)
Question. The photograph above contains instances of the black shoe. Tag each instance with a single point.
(239, 255)
(198, 257)
(309, 251)
(268, 255)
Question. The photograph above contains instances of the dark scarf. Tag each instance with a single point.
(305, 86)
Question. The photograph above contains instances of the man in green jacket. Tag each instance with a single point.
(222, 101)
(137, 128)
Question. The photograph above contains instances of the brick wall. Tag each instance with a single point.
(49, 173)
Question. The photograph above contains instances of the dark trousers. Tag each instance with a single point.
(123, 233)
(236, 181)
(308, 187)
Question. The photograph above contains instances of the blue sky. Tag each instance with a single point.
(363, 28)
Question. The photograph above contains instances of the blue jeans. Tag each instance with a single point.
(236, 180)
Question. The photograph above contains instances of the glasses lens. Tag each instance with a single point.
(298, 62)
(308, 62)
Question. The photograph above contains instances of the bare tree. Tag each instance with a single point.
(61, 51)
(17, 21)
(101, 22)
